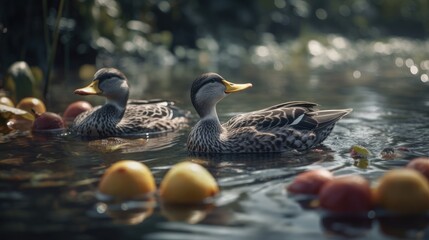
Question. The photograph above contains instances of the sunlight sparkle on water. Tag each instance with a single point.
(409, 62)
(399, 62)
(340, 42)
(262, 51)
(101, 208)
(382, 48)
(315, 48)
(321, 14)
(357, 74)
(414, 70)
(424, 78)
(424, 65)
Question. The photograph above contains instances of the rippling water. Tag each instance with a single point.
(48, 184)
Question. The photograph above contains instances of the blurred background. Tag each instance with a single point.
(68, 40)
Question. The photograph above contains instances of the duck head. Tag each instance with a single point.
(108, 82)
(208, 89)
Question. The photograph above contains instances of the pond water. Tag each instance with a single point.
(48, 183)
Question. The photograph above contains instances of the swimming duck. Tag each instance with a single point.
(284, 127)
(120, 117)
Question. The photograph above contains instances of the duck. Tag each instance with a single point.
(120, 116)
(296, 126)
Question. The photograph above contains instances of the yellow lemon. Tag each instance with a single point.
(187, 183)
(127, 179)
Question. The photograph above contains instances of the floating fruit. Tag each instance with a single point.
(403, 191)
(14, 118)
(357, 151)
(7, 112)
(48, 121)
(127, 179)
(187, 183)
(310, 182)
(346, 194)
(75, 109)
(421, 165)
(31, 105)
(6, 101)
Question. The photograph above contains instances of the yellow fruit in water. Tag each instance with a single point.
(357, 151)
(6, 101)
(31, 104)
(404, 191)
(187, 183)
(127, 179)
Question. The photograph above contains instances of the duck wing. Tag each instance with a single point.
(166, 107)
(160, 102)
(299, 115)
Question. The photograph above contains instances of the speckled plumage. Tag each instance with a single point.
(120, 117)
(288, 126)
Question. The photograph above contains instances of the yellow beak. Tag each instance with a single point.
(91, 89)
(233, 87)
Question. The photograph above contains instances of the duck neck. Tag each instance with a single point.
(211, 118)
(117, 106)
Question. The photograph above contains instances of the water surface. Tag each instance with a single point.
(48, 183)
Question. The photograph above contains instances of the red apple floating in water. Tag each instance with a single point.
(310, 182)
(48, 121)
(76, 108)
(421, 165)
(346, 194)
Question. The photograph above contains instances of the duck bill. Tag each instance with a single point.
(233, 87)
(91, 89)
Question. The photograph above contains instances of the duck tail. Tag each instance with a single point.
(328, 117)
